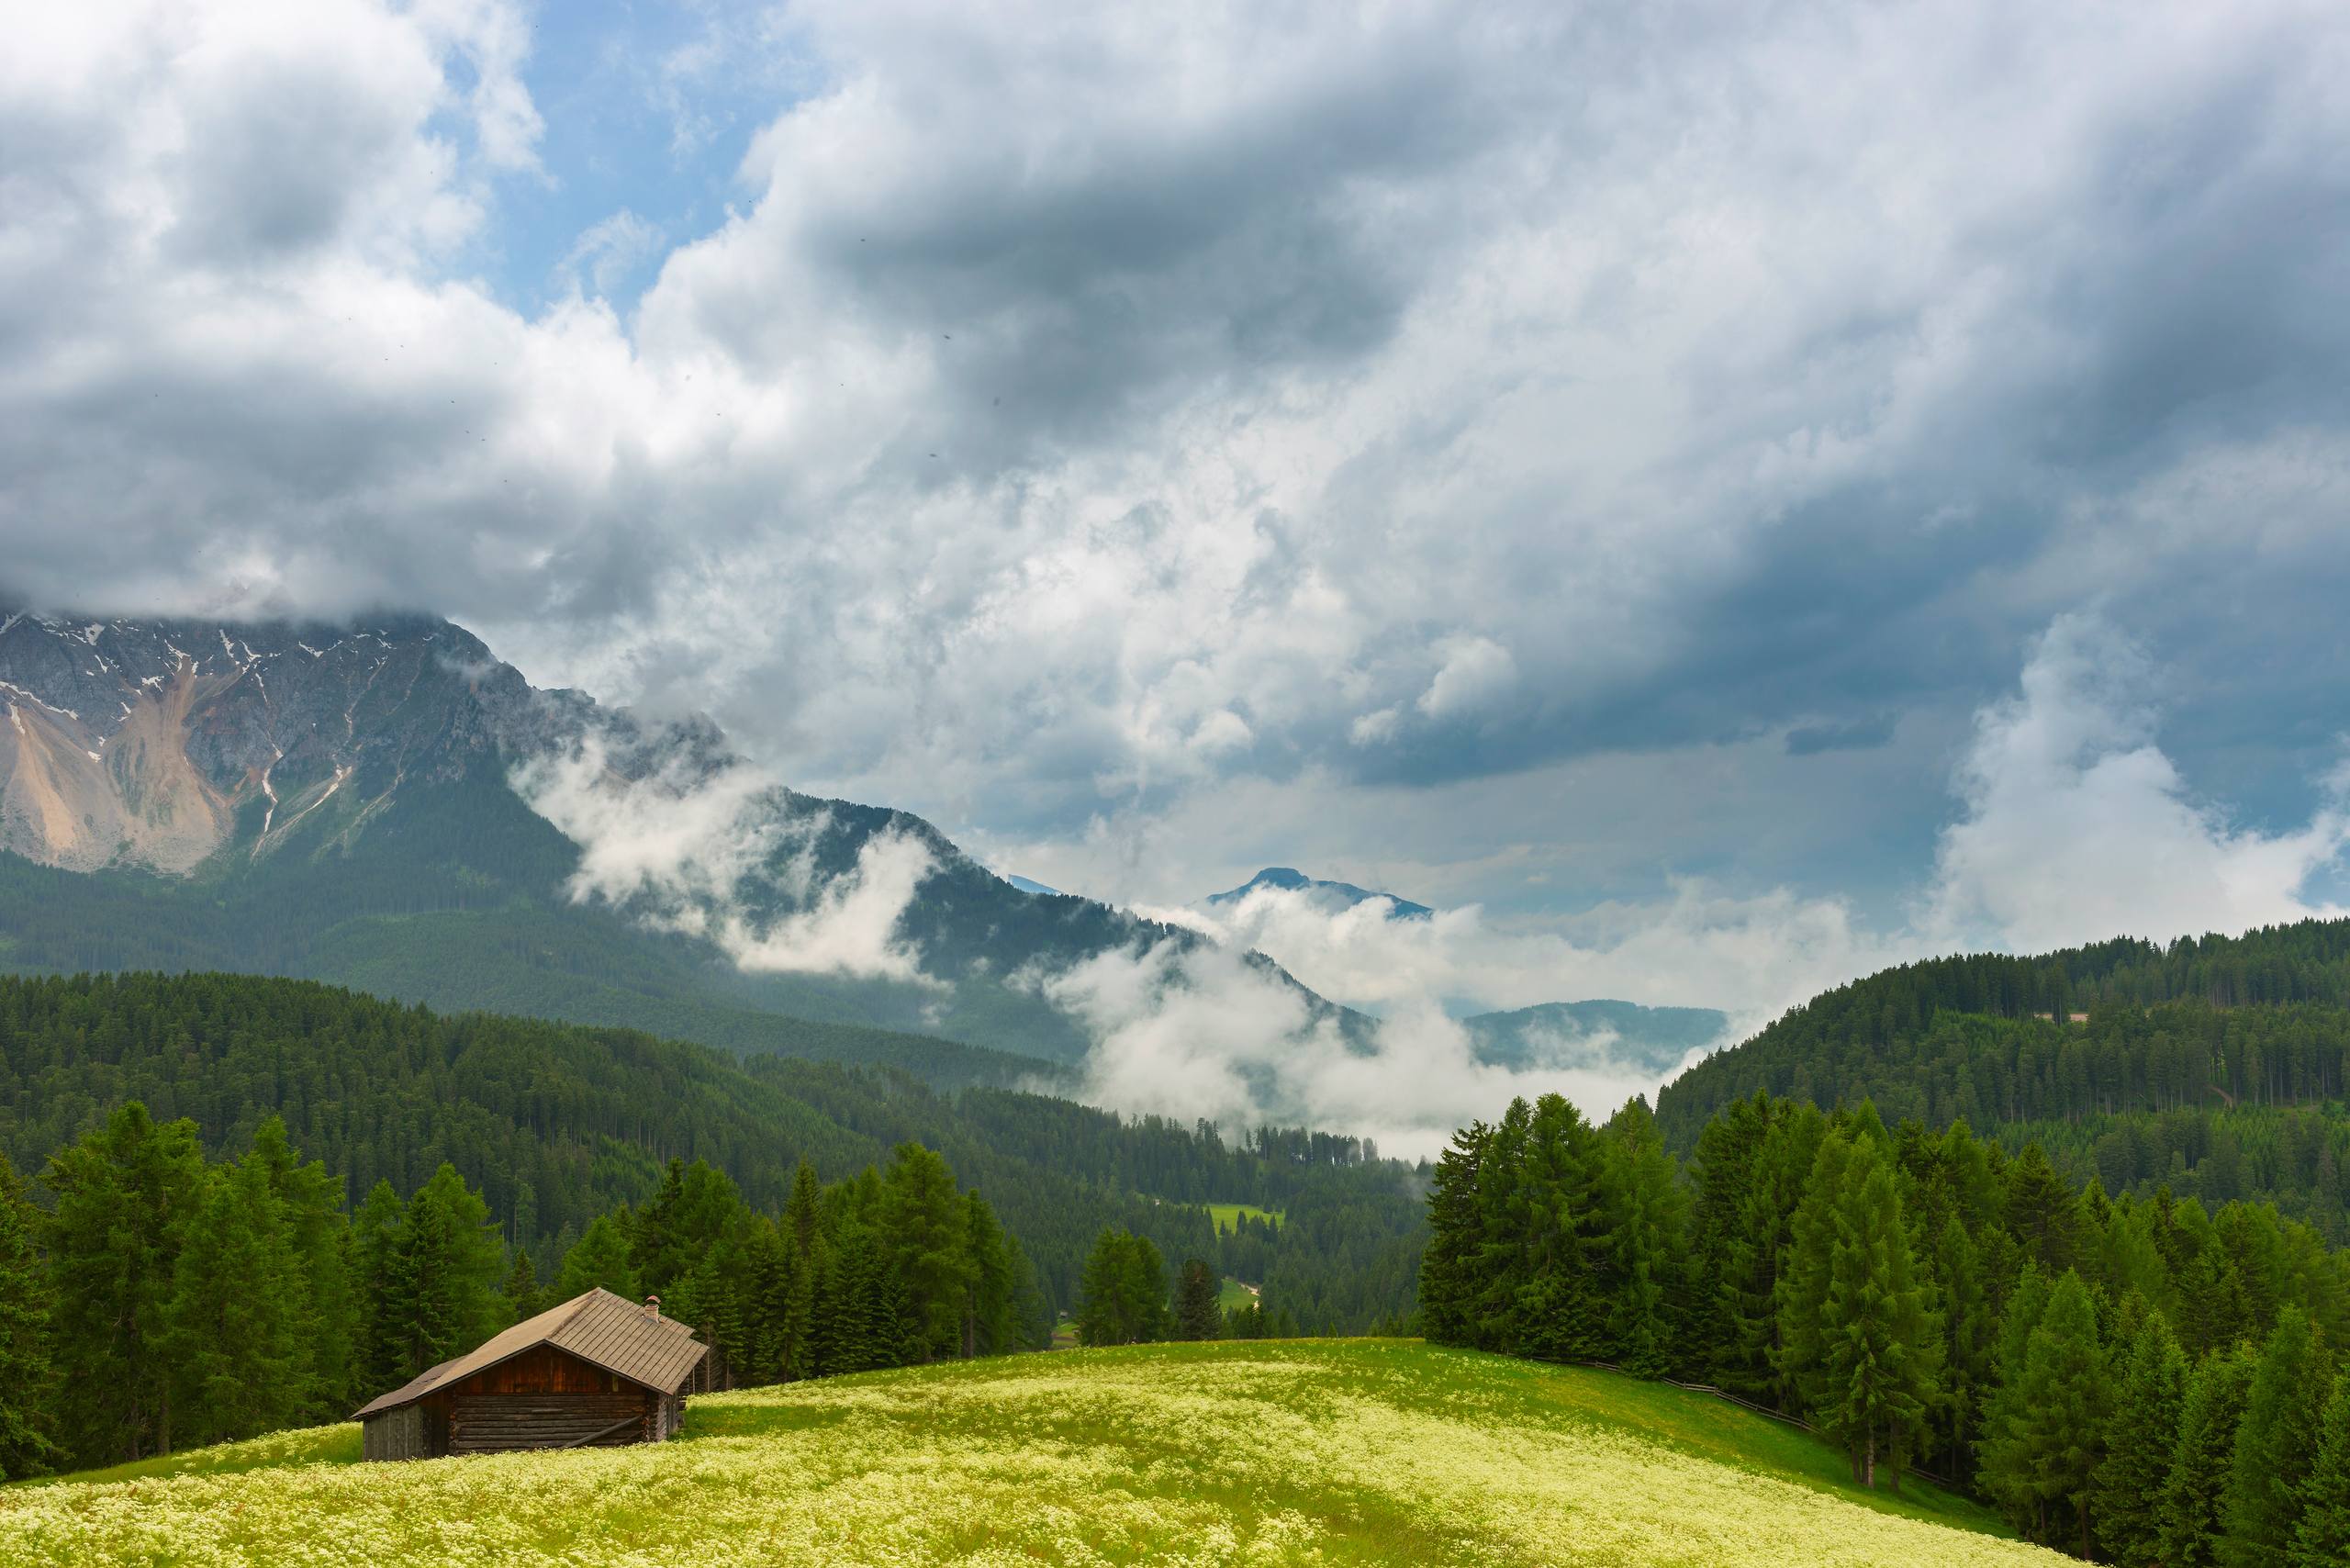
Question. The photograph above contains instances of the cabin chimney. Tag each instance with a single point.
(652, 1306)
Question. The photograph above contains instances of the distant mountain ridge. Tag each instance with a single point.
(1343, 895)
(1592, 1034)
(336, 803)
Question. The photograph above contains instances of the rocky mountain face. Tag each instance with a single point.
(340, 802)
(143, 743)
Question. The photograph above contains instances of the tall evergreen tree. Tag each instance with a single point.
(1644, 1213)
(28, 1381)
(310, 1199)
(2130, 1483)
(598, 1259)
(2322, 1539)
(1449, 1264)
(1123, 1297)
(2041, 1457)
(1882, 1348)
(927, 1236)
(2284, 1412)
(125, 1193)
(1804, 1277)
(2192, 1522)
(1197, 1314)
(991, 1282)
(442, 1298)
(239, 1316)
(378, 1356)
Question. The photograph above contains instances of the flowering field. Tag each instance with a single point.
(1260, 1452)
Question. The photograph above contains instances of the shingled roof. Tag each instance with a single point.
(607, 1330)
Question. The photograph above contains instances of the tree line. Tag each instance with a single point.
(164, 1301)
(556, 1124)
(2135, 1378)
(1125, 1300)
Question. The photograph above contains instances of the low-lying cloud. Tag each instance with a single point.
(2073, 828)
(720, 851)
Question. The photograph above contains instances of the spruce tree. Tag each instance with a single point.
(927, 1232)
(443, 1295)
(2323, 1539)
(598, 1259)
(28, 1381)
(2041, 1457)
(377, 1355)
(1197, 1315)
(991, 1281)
(2040, 1212)
(1560, 1310)
(125, 1193)
(237, 1318)
(2128, 1498)
(310, 1199)
(2192, 1521)
(1881, 1353)
(1803, 1279)
(2260, 1508)
(1448, 1279)
(1645, 1215)
(521, 1292)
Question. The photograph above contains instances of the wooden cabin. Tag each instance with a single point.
(597, 1372)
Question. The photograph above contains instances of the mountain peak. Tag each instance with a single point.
(1340, 895)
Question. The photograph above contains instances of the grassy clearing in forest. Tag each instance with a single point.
(1325, 1452)
(1226, 1216)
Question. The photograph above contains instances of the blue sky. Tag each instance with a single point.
(1786, 489)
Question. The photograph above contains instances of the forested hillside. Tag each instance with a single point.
(2141, 1380)
(557, 1124)
(2216, 1066)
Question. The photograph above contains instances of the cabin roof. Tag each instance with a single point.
(599, 1328)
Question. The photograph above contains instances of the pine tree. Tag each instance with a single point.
(1448, 1280)
(521, 1292)
(1121, 1297)
(238, 1316)
(598, 1259)
(2191, 1521)
(2322, 1540)
(1197, 1315)
(378, 1356)
(2130, 1483)
(1645, 1215)
(443, 1295)
(329, 1320)
(1560, 1310)
(2261, 1505)
(925, 1231)
(1506, 1225)
(2039, 1459)
(2040, 1212)
(1881, 1353)
(125, 1193)
(27, 1382)
(1723, 1171)
(1748, 1365)
(1803, 1279)
(991, 1281)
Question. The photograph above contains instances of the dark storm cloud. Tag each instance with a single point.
(1080, 412)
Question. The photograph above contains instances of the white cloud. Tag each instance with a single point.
(1474, 672)
(2077, 826)
(722, 852)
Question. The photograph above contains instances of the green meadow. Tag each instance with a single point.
(1284, 1451)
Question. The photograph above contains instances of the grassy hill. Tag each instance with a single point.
(1336, 1451)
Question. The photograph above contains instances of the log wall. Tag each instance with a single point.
(492, 1423)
